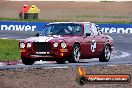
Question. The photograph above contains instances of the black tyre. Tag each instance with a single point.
(105, 54)
(81, 80)
(75, 57)
(27, 61)
(60, 61)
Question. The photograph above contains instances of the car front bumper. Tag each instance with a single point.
(47, 56)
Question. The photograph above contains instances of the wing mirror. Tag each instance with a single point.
(88, 34)
(100, 32)
(37, 34)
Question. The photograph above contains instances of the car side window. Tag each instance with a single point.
(94, 28)
(87, 29)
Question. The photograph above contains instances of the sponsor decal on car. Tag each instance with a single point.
(93, 46)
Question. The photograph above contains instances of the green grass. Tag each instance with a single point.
(115, 22)
(107, 1)
(62, 20)
(9, 50)
(98, 16)
(88, 16)
(31, 20)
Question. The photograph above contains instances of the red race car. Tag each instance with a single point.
(67, 41)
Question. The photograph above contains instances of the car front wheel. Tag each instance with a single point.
(106, 54)
(75, 57)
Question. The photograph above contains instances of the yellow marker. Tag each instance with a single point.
(22, 50)
(33, 9)
(62, 54)
(63, 50)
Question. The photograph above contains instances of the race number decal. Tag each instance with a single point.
(93, 46)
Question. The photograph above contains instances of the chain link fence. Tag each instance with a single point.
(90, 16)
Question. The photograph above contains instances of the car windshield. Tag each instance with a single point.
(62, 29)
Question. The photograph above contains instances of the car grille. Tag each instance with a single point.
(42, 46)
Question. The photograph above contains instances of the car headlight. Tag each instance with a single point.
(29, 45)
(22, 45)
(55, 44)
(63, 45)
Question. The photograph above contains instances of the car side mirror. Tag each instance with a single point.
(37, 34)
(88, 34)
(100, 32)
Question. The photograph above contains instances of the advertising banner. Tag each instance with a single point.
(38, 26)
(116, 28)
(22, 26)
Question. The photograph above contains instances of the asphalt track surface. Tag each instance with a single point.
(121, 54)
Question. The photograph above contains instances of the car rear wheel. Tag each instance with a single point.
(27, 61)
(106, 54)
(75, 57)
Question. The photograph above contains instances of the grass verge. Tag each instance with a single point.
(54, 20)
(31, 20)
(9, 50)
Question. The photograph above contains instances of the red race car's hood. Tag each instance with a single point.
(46, 38)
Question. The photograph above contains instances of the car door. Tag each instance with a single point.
(99, 41)
(88, 40)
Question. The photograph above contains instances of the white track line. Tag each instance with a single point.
(11, 38)
(125, 54)
(1, 64)
(56, 67)
(44, 62)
